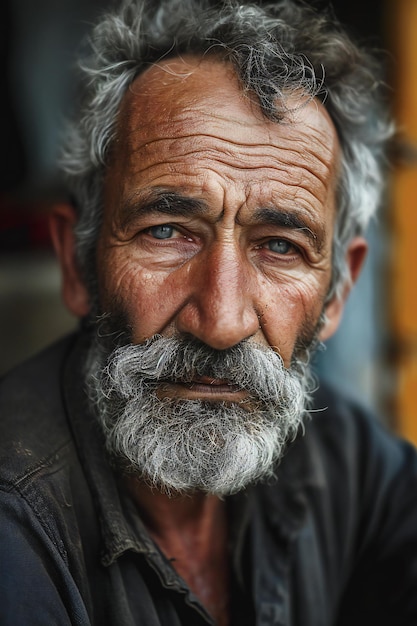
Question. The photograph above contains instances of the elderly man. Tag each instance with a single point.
(159, 467)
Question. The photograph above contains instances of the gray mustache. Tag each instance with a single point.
(257, 369)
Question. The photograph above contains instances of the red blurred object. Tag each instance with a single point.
(24, 224)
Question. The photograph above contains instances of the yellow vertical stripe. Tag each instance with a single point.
(404, 217)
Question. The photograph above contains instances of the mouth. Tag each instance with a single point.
(203, 388)
(212, 385)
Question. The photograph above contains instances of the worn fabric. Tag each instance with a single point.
(331, 542)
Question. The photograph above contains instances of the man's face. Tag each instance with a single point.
(215, 247)
(217, 222)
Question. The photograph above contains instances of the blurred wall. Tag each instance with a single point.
(38, 45)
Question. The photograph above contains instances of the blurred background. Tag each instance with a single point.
(374, 355)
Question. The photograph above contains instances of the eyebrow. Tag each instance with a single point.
(174, 204)
(292, 220)
(164, 202)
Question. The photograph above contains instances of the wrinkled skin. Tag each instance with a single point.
(244, 251)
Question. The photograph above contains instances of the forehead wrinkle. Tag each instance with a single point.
(296, 157)
(182, 144)
(171, 136)
(227, 156)
(192, 93)
(288, 175)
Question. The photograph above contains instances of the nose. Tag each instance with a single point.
(220, 310)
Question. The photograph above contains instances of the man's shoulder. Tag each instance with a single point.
(33, 424)
(339, 420)
(344, 443)
(354, 459)
(338, 481)
(47, 515)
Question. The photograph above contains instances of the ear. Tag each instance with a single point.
(355, 258)
(74, 292)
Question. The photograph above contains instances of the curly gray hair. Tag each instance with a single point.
(275, 49)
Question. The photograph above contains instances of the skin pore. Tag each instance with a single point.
(217, 224)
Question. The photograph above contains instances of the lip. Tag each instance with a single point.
(209, 380)
(212, 385)
(213, 388)
(204, 387)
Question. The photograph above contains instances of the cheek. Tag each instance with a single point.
(149, 300)
(289, 312)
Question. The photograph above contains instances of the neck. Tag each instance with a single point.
(175, 514)
(191, 530)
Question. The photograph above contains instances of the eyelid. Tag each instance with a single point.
(154, 226)
(292, 244)
(294, 255)
(182, 233)
(162, 225)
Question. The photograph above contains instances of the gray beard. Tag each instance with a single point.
(178, 445)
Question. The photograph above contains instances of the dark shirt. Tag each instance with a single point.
(331, 542)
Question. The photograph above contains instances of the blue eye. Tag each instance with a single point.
(280, 246)
(162, 231)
